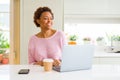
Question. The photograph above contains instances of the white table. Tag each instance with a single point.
(98, 72)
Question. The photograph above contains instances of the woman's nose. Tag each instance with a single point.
(49, 19)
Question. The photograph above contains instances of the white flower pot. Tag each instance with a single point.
(87, 42)
(101, 43)
(116, 43)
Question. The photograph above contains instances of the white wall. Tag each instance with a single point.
(27, 27)
(92, 7)
(94, 11)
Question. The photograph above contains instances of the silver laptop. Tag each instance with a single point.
(76, 57)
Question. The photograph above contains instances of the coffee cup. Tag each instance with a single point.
(48, 63)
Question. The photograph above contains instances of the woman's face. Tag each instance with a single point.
(46, 20)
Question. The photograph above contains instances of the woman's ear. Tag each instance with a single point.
(38, 21)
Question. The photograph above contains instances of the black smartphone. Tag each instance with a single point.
(23, 71)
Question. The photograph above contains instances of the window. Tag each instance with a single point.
(93, 28)
(4, 31)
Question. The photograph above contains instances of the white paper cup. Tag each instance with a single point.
(48, 63)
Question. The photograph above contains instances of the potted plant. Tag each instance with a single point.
(5, 59)
(4, 45)
(1, 57)
(100, 41)
(87, 40)
(72, 39)
(115, 40)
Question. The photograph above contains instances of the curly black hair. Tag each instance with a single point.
(38, 13)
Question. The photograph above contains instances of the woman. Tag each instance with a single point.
(48, 42)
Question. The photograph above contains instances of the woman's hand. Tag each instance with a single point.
(39, 63)
(56, 62)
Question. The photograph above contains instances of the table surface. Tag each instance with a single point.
(100, 52)
(106, 54)
(97, 72)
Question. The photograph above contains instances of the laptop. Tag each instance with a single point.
(76, 57)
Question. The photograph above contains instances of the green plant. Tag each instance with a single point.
(3, 43)
(86, 39)
(100, 39)
(73, 37)
(115, 38)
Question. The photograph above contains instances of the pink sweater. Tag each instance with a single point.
(40, 48)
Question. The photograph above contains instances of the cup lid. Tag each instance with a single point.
(48, 60)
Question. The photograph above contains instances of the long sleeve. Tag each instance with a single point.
(31, 51)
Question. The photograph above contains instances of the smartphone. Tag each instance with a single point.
(23, 71)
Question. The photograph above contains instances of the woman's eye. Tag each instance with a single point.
(45, 18)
